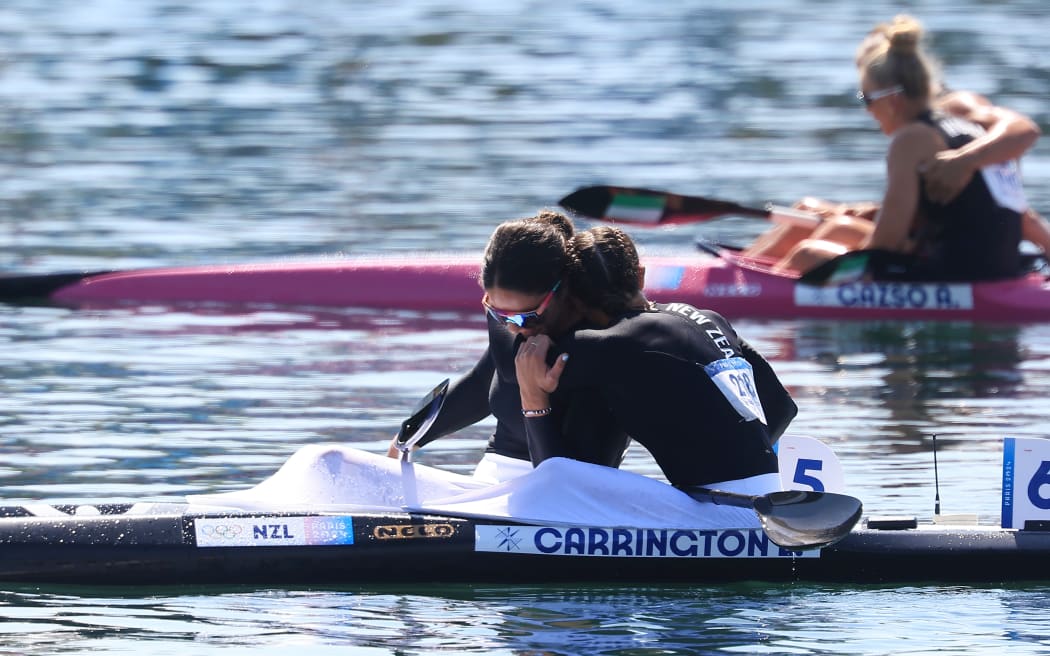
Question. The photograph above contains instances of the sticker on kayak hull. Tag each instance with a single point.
(413, 531)
(273, 531)
(632, 542)
(887, 296)
(663, 277)
(732, 290)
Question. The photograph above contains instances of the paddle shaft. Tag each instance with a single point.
(722, 498)
(651, 207)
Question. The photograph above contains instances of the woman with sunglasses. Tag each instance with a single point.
(678, 379)
(523, 276)
(921, 229)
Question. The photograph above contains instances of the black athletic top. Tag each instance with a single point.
(681, 382)
(973, 237)
(491, 387)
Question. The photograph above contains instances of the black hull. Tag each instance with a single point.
(163, 549)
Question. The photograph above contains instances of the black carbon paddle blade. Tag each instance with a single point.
(794, 519)
(37, 288)
(650, 207)
(415, 427)
(807, 520)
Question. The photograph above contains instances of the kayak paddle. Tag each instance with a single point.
(651, 207)
(37, 287)
(794, 519)
(426, 413)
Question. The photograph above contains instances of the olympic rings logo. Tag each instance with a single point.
(224, 531)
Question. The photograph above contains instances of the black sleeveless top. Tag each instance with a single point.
(973, 237)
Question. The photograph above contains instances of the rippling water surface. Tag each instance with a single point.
(152, 132)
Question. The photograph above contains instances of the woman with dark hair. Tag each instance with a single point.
(640, 369)
(678, 379)
(524, 279)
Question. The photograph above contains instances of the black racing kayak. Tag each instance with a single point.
(173, 543)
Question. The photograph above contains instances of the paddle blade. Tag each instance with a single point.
(650, 207)
(415, 427)
(24, 289)
(794, 519)
(803, 520)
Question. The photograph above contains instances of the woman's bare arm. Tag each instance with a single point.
(911, 145)
(1008, 135)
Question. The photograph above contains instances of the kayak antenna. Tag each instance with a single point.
(936, 481)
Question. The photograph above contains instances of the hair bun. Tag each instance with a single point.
(558, 220)
(904, 35)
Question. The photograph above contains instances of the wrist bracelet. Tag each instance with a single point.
(536, 413)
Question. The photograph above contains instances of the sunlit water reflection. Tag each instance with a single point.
(142, 133)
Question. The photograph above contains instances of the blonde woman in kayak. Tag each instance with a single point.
(1007, 136)
(973, 237)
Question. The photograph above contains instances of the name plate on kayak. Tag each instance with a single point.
(887, 296)
(274, 531)
(632, 542)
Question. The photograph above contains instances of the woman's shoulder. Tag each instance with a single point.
(917, 128)
(665, 311)
(915, 140)
(621, 333)
(961, 103)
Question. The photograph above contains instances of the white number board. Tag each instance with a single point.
(1026, 480)
(807, 463)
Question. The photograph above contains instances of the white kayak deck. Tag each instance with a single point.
(337, 478)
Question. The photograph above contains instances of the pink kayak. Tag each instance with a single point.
(721, 280)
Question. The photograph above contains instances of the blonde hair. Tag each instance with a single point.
(893, 54)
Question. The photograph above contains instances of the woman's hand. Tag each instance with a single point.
(819, 206)
(827, 209)
(862, 210)
(535, 379)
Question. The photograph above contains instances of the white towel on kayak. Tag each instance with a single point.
(567, 491)
(496, 468)
(322, 475)
(338, 478)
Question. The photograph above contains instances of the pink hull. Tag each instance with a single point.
(731, 285)
(419, 282)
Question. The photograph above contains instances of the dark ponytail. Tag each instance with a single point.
(604, 269)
